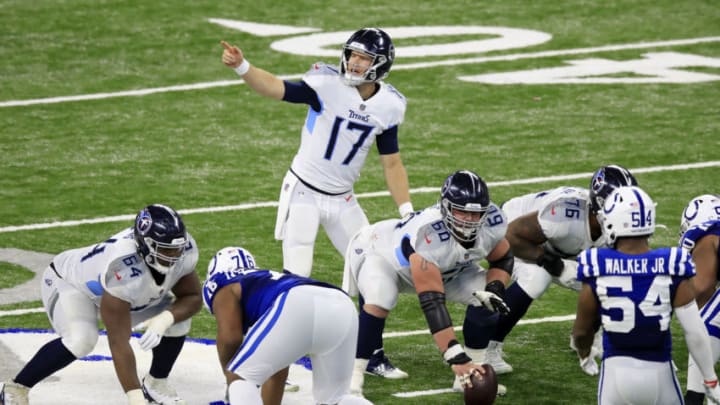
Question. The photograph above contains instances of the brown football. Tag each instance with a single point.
(484, 388)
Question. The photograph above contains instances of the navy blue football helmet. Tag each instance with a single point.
(466, 192)
(375, 43)
(160, 237)
(604, 181)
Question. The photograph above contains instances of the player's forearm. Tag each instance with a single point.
(264, 83)
(124, 363)
(443, 338)
(696, 336)
(186, 306)
(396, 178)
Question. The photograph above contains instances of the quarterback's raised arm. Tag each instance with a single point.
(262, 81)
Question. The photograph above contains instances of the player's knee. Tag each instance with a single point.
(383, 299)
(179, 329)
(81, 341)
(298, 259)
(376, 311)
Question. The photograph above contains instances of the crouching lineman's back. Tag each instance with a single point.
(266, 320)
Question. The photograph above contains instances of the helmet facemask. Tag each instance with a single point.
(463, 229)
(160, 237)
(370, 75)
(164, 257)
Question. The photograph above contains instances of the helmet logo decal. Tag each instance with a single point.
(598, 180)
(144, 222)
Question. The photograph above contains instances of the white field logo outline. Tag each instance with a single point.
(654, 67)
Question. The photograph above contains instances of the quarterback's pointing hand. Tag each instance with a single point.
(232, 55)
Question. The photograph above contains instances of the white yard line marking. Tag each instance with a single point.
(406, 66)
(240, 207)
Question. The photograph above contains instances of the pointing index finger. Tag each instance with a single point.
(226, 45)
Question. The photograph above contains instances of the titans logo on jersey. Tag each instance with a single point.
(635, 295)
(259, 289)
(337, 138)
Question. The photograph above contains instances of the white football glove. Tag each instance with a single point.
(589, 364)
(712, 391)
(136, 397)
(491, 301)
(405, 210)
(156, 327)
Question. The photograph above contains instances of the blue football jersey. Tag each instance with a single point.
(260, 288)
(635, 295)
(697, 232)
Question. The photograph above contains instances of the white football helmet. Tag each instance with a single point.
(700, 209)
(230, 258)
(628, 211)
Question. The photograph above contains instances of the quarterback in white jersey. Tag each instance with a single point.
(350, 109)
(141, 275)
(546, 232)
(633, 292)
(433, 253)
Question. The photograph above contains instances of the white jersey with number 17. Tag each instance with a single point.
(336, 140)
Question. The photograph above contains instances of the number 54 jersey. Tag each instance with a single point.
(635, 295)
(114, 266)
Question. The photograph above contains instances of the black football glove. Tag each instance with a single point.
(551, 261)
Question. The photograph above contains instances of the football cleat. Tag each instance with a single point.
(12, 393)
(457, 387)
(494, 357)
(158, 391)
(380, 366)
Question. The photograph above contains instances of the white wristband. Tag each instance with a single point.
(405, 209)
(243, 68)
(453, 351)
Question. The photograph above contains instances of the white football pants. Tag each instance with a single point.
(627, 380)
(314, 320)
(74, 316)
(300, 214)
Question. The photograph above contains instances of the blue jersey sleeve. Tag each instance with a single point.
(300, 92)
(387, 142)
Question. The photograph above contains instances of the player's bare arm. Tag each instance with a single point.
(526, 237)
(501, 263)
(705, 256)
(188, 297)
(431, 292)
(262, 81)
(396, 178)
(227, 311)
(115, 315)
(585, 321)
